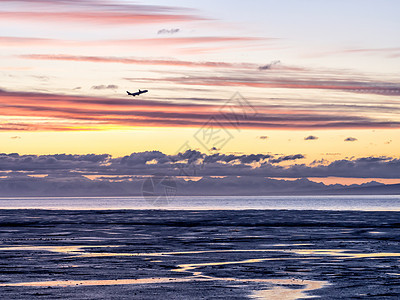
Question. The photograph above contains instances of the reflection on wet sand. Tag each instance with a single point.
(57, 249)
(189, 267)
(79, 251)
(275, 291)
(285, 293)
(274, 285)
(311, 252)
(276, 288)
(214, 254)
(65, 283)
(171, 253)
(344, 253)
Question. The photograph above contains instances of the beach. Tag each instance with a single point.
(185, 254)
(196, 150)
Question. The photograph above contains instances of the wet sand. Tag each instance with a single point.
(160, 254)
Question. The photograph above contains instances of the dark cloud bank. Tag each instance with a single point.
(214, 174)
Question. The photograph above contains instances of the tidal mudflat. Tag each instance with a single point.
(166, 254)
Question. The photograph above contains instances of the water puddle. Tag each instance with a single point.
(286, 293)
(68, 283)
(57, 249)
(276, 290)
(79, 251)
(344, 253)
(261, 288)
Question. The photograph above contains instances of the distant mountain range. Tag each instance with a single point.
(247, 186)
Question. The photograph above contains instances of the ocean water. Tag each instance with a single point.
(341, 203)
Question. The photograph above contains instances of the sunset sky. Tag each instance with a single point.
(316, 79)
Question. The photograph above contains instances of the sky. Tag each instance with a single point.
(312, 87)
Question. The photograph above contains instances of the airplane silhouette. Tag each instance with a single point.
(137, 93)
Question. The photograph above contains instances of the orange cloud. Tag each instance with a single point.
(67, 112)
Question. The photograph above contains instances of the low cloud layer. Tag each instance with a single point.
(218, 164)
(195, 172)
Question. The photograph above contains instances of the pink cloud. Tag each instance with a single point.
(97, 12)
(114, 18)
(22, 41)
(139, 61)
(186, 45)
(96, 112)
(293, 82)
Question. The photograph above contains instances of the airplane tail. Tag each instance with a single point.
(128, 93)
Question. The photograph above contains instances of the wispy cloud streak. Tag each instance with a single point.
(113, 18)
(294, 82)
(95, 12)
(139, 61)
(97, 113)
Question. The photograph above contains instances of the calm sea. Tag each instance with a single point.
(360, 203)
